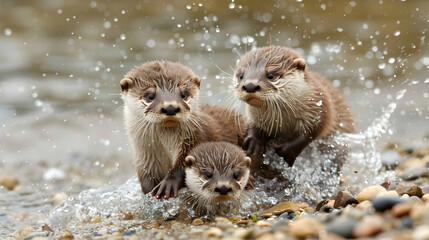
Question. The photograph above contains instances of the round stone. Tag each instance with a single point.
(8, 181)
(368, 226)
(391, 193)
(385, 203)
(197, 222)
(401, 209)
(305, 227)
(213, 232)
(342, 226)
(370, 193)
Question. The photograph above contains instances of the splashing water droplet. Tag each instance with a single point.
(400, 94)
(319, 103)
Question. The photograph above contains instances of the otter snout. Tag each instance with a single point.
(170, 110)
(223, 190)
(251, 88)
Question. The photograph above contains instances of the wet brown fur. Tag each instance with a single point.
(291, 100)
(160, 150)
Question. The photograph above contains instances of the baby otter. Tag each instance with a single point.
(287, 103)
(216, 172)
(164, 121)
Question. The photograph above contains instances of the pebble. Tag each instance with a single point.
(305, 227)
(413, 190)
(425, 189)
(385, 203)
(197, 222)
(406, 222)
(263, 223)
(421, 233)
(369, 193)
(288, 215)
(344, 198)
(326, 209)
(365, 205)
(414, 173)
(281, 208)
(66, 235)
(8, 181)
(425, 198)
(391, 159)
(342, 226)
(390, 193)
(213, 232)
(60, 197)
(401, 209)
(368, 226)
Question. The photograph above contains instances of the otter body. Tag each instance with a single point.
(216, 172)
(286, 103)
(164, 122)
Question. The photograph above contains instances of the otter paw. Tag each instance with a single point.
(169, 187)
(254, 146)
(286, 152)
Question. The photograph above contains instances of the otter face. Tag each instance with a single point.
(262, 73)
(216, 173)
(161, 92)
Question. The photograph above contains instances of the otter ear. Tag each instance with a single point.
(125, 83)
(299, 64)
(247, 161)
(197, 81)
(189, 160)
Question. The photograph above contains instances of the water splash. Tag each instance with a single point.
(313, 177)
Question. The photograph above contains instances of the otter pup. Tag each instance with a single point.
(164, 121)
(216, 172)
(287, 103)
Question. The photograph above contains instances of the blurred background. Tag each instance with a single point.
(61, 62)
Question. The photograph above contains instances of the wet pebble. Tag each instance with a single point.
(129, 233)
(413, 190)
(8, 181)
(213, 232)
(59, 197)
(326, 209)
(342, 226)
(288, 215)
(344, 198)
(281, 208)
(368, 226)
(425, 189)
(197, 222)
(425, 198)
(391, 159)
(391, 193)
(369, 193)
(414, 173)
(305, 227)
(401, 209)
(66, 235)
(385, 203)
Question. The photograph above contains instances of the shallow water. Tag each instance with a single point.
(61, 62)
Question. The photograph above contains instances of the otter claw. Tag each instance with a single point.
(167, 188)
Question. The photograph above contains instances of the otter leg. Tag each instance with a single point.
(146, 182)
(170, 185)
(290, 150)
(255, 145)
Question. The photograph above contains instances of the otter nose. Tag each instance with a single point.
(170, 110)
(251, 88)
(223, 190)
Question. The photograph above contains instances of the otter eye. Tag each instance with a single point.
(241, 76)
(270, 76)
(183, 95)
(208, 175)
(151, 96)
(235, 176)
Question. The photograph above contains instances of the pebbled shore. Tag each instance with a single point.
(392, 210)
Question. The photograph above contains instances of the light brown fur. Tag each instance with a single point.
(163, 137)
(216, 172)
(287, 103)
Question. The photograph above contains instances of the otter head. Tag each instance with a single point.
(217, 171)
(262, 73)
(161, 92)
